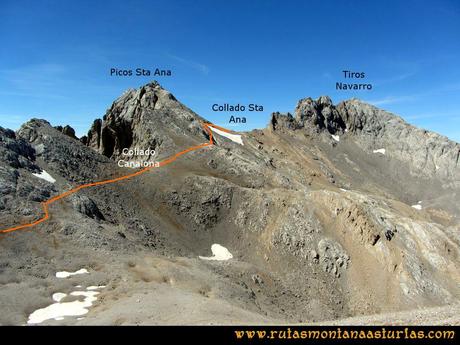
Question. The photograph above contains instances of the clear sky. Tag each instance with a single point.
(56, 56)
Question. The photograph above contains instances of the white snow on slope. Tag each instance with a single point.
(45, 176)
(58, 296)
(335, 137)
(58, 310)
(233, 137)
(64, 274)
(417, 207)
(91, 288)
(219, 252)
(382, 151)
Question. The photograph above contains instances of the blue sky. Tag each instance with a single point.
(56, 56)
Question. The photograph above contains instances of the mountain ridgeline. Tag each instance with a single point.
(427, 154)
(332, 212)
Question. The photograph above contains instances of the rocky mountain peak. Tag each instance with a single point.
(320, 114)
(147, 117)
(324, 101)
(127, 106)
(427, 154)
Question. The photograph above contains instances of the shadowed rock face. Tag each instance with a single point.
(149, 117)
(319, 227)
(20, 191)
(67, 130)
(93, 139)
(320, 114)
(15, 152)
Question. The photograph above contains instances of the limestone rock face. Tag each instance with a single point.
(94, 135)
(426, 153)
(62, 153)
(320, 114)
(149, 117)
(15, 152)
(20, 190)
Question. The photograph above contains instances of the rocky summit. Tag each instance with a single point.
(337, 211)
(150, 117)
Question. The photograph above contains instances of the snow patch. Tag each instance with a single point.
(91, 288)
(233, 137)
(343, 190)
(382, 151)
(45, 176)
(58, 310)
(417, 207)
(219, 252)
(64, 274)
(335, 137)
(58, 296)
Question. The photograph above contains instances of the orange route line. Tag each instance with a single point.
(164, 162)
(222, 128)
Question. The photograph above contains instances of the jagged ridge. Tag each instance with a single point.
(427, 153)
(149, 117)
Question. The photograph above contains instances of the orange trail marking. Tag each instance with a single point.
(164, 162)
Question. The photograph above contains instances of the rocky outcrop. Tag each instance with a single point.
(67, 130)
(63, 154)
(86, 206)
(147, 118)
(20, 190)
(279, 120)
(320, 114)
(426, 153)
(16, 152)
(93, 139)
(332, 257)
